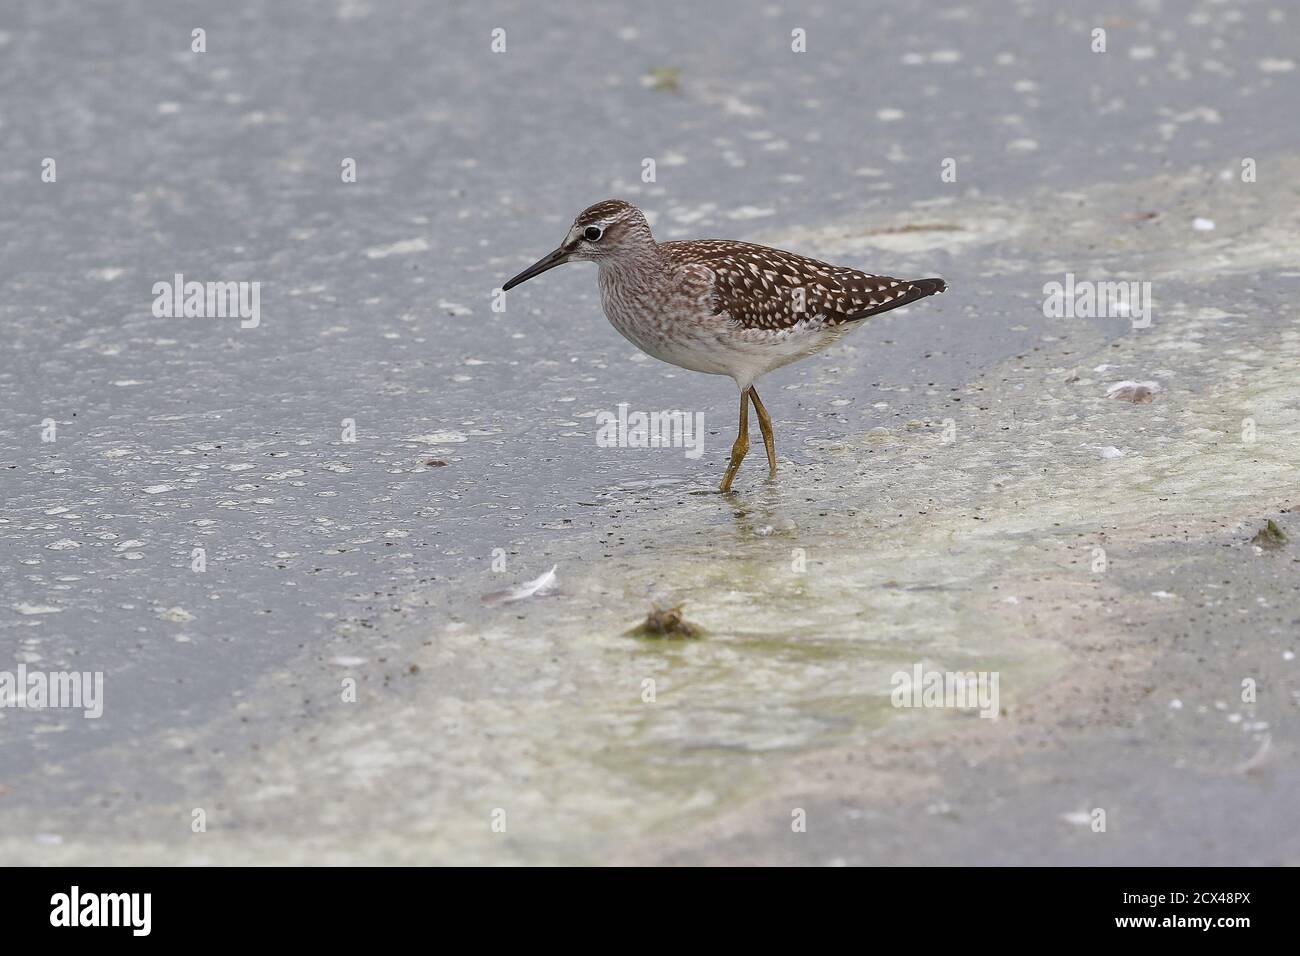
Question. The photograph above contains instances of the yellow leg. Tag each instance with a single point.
(765, 426)
(741, 447)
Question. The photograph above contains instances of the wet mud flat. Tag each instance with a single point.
(1093, 551)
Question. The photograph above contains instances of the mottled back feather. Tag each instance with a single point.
(759, 287)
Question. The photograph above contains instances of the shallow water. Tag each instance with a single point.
(912, 549)
(880, 546)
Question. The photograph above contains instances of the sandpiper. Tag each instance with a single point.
(722, 307)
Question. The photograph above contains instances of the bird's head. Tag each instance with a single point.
(603, 233)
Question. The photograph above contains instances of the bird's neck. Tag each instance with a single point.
(645, 265)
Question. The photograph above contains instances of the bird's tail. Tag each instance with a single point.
(916, 289)
(929, 287)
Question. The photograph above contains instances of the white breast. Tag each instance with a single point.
(663, 321)
(673, 321)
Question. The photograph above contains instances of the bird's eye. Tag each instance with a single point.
(591, 233)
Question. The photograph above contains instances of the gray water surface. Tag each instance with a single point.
(176, 434)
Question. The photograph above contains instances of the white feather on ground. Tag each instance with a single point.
(1140, 393)
(537, 586)
(1263, 756)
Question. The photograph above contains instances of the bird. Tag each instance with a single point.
(720, 306)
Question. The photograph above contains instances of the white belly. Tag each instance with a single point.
(675, 329)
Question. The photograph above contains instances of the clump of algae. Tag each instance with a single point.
(666, 79)
(1270, 537)
(666, 622)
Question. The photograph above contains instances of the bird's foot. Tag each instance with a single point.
(738, 452)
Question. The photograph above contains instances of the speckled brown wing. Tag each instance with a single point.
(764, 288)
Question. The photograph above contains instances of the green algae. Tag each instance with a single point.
(1270, 537)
